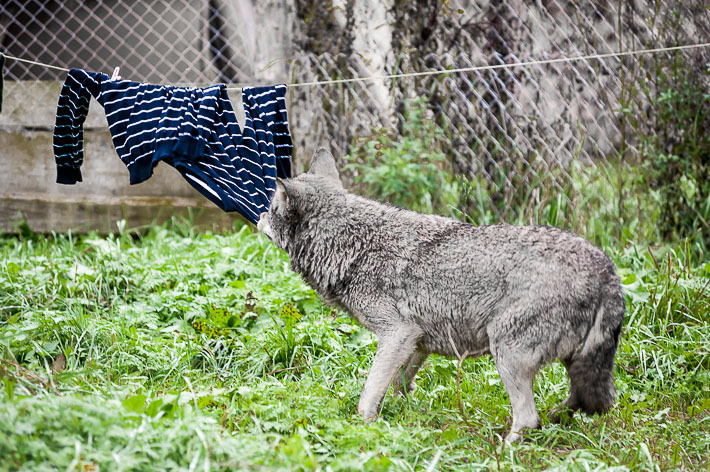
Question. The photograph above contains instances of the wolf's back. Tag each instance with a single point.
(441, 248)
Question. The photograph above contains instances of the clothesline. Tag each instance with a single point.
(448, 71)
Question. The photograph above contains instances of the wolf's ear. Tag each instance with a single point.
(323, 163)
(292, 192)
(280, 191)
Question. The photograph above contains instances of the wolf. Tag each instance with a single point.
(423, 284)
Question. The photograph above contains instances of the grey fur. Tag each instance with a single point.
(427, 284)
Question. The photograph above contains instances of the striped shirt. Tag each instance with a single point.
(193, 129)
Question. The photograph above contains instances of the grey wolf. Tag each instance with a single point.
(425, 284)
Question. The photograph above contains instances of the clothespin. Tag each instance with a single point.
(115, 75)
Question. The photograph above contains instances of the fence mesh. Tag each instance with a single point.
(508, 126)
(512, 126)
(171, 42)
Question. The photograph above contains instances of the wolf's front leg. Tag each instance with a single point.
(394, 349)
(403, 381)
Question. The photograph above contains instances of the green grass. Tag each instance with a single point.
(179, 355)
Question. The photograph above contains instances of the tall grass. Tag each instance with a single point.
(611, 202)
(175, 350)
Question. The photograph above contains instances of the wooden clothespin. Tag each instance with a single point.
(2, 65)
(115, 75)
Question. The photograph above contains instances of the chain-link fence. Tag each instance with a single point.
(514, 126)
(506, 125)
(171, 42)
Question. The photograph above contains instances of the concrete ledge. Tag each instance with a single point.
(47, 212)
(28, 188)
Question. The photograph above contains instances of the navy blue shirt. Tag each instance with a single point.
(193, 129)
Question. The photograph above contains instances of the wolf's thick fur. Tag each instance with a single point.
(426, 284)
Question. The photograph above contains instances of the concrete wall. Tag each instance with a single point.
(173, 49)
(28, 191)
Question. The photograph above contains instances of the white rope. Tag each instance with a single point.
(449, 71)
(492, 67)
(36, 63)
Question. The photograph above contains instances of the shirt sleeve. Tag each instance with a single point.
(72, 108)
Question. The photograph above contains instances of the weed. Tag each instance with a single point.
(409, 169)
(186, 349)
(676, 155)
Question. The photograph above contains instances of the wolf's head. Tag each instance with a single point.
(301, 198)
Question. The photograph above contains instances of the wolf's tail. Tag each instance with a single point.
(591, 367)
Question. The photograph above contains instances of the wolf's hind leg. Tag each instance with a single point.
(590, 369)
(394, 348)
(517, 370)
(570, 404)
(405, 375)
(591, 390)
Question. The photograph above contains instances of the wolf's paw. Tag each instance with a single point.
(513, 437)
(399, 389)
(368, 411)
(518, 436)
(367, 414)
(520, 429)
(563, 414)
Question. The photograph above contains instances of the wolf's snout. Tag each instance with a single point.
(264, 226)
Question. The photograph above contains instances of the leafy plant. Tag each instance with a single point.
(408, 170)
(676, 154)
(197, 350)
